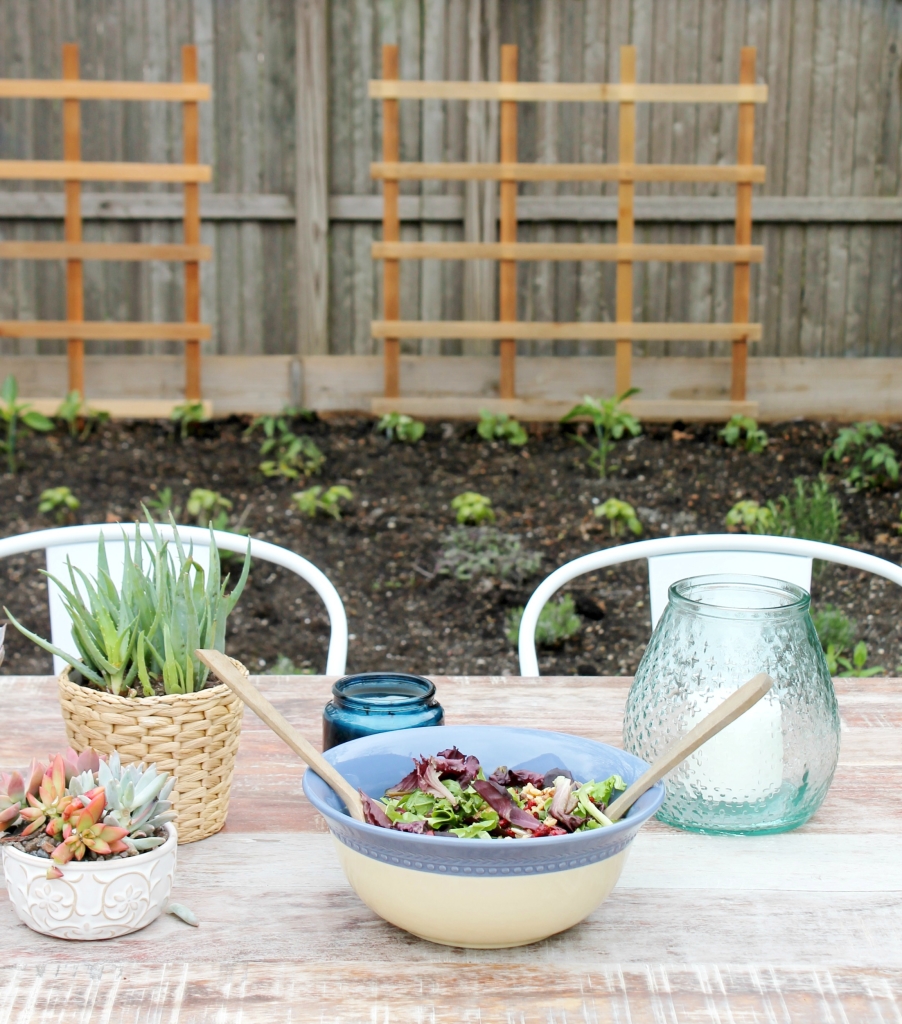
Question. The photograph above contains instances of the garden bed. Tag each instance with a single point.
(383, 554)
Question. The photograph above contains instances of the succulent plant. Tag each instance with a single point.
(137, 800)
(147, 631)
(83, 830)
(14, 793)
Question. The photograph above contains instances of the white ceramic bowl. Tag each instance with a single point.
(95, 899)
(479, 893)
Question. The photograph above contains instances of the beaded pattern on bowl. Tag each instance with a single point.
(193, 736)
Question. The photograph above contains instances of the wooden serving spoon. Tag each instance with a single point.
(735, 705)
(280, 725)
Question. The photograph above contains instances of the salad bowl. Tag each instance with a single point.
(479, 893)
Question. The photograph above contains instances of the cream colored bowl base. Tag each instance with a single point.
(480, 913)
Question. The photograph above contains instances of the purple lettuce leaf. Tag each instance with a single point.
(420, 828)
(500, 800)
(373, 811)
(505, 777)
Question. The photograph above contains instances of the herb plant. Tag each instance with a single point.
(291, 455)
(16, 416)
(184, 416)
(833, 627)
(810, 514)
(473, 509)
(163, 504)
(868, 464)
(621, 516)
(79, 417)
(500, 427)
(755, 439)
(398, 427)
(315, 499)
(60, 501)
(209, 508)
(558, 621)
(751, 516)
(144, 633)
(854, 666)
(610, 423)
(486, 551)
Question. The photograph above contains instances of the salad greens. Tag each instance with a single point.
(449, 794)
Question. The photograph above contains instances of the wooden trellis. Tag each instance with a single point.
(625, 252)
(73, 171)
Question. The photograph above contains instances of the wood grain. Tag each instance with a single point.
(413, 171)
(562, 92)
(191, 227)
(626, 191)
(507, 229)
(742, 271)
(128, 251)
(391, 228)
(86, 170)
(102, 330)
(622, 252)
(552, 331)
(36, 89)
(75, 299)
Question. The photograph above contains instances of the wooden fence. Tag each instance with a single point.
(290, 77)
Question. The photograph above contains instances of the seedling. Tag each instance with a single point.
(486, 551)
(834, 628)
(79, 417)
(558, 621)
(397, 426)
(15, 416)
(164, 505)
(621, 517)
(209, 508)
(869, 465)
(293, 455)
(183, 416)
(315, 499)
(60, 501)
(610, 423)
(854, 666)
(755, 439)
(750, 516)
(473, 509)
(500, 427)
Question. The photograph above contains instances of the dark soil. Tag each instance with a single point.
(382, 555)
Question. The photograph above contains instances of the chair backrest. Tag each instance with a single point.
(80, 544)
(675, 558)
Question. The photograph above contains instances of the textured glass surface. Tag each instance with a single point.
(769, 770)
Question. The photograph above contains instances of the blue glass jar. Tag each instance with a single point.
(372, 702)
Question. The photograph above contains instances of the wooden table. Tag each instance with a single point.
(799, 927)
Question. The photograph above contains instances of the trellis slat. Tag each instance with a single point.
(103, 330)
(128, 251)
(562, 92)
(38, 89)
(605, 252)
(576, 331)
(86, 170)
(567, 172)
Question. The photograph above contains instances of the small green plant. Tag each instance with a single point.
(315, 499)
(755, 439)
(500, 427)
(558, 621)
(610, 423)
(186, 415)
(16, 416)
(164, 504)
(60, 501)
(140, 639)
(810, 514)
(79, 417)
(854, 666)
(284, 666)
(291, 455)
(209, 508)
(834, 628)
(750, 516)
(398, 427)
(621, 516)
(486, 551)
(473, 509)
(868, 464)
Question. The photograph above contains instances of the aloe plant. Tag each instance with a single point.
(145, 633)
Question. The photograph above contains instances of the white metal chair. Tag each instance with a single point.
(79, 543)
(675, 558)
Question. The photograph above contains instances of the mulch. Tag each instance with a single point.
(383, 554)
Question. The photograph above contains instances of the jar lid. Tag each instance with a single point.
(395, 691)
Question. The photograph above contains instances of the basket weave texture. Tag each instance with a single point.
(193, 736)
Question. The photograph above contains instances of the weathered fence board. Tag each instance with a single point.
(828, 214)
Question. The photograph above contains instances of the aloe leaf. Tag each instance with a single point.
(70, 659)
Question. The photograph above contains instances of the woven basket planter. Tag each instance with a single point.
(193, 736)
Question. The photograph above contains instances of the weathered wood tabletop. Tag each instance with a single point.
(802, 927)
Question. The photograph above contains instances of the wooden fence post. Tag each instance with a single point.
(391, 228)
(75, 295)
(626, 190)
(312, 191)
(742, 271)
(191, 138)
(507, 269)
